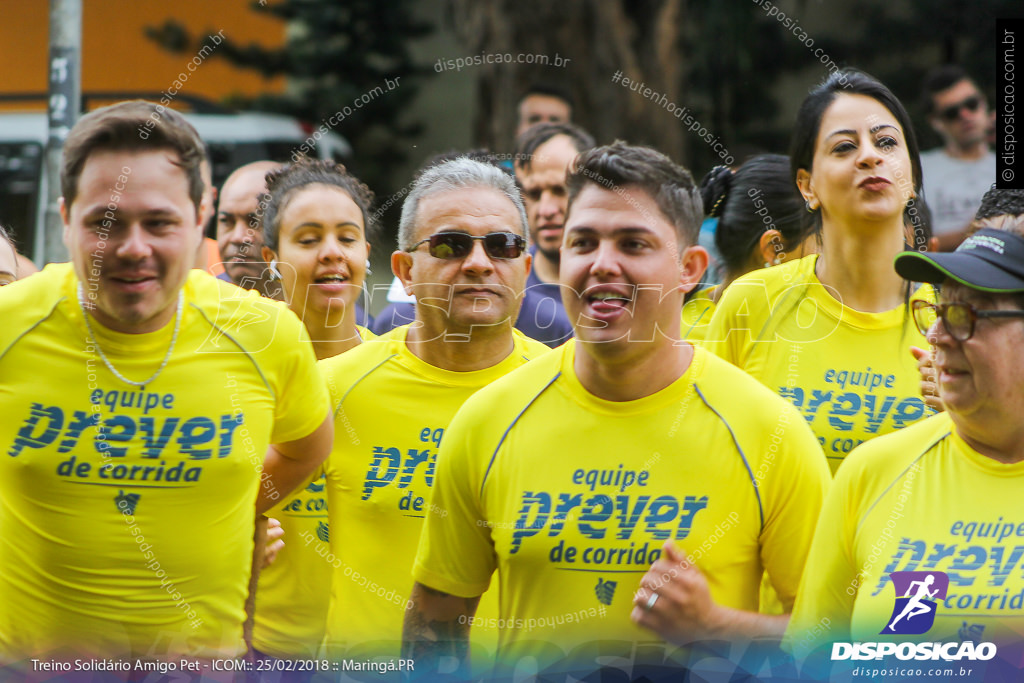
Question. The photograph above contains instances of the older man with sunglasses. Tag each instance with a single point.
(462, 254)
(941, 498)
(957, 174)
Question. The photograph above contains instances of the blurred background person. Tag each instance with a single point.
(761, 223)
(239, 236)
(544, 153)
(542, 103)
(958, 173)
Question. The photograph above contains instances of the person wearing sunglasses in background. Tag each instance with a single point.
(957, 174)
(943, 495)
(462, 254)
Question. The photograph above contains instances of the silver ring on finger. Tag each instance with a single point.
(650, 601)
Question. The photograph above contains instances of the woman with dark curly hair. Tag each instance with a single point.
(316, 218)
(316, 222)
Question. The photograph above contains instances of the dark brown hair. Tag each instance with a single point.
(132, 126)
(284, 183)
(808, 125)
(618, 166)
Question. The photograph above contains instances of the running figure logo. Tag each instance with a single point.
(917, 595)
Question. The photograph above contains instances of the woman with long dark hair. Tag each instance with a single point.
(832, 332)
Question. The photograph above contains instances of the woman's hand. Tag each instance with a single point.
(274, 541)
(929, 382)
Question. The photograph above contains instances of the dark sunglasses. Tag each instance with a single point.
(952, 112)
(958, 318)
(498, 245)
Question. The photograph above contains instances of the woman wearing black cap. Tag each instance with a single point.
(941, 498)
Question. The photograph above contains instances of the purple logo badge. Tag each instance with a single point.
(917, 595)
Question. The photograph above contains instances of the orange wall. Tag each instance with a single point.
(116, 55)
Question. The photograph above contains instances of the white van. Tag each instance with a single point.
(233, 139)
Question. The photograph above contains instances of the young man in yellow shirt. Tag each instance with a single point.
(140, 397)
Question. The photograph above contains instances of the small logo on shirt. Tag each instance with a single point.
(322, 532)
(971, 632)
(316, 486)
(917, 596)
(605, 591)
(126, 502)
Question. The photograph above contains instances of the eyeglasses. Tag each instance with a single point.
(449, 245)
(958, 318)
(952, 112)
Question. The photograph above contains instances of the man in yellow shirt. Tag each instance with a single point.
(462, 240)
(140, 397)
(621, 490)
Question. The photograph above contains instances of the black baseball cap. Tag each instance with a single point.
(990, 260)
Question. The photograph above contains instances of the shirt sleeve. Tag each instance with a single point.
(302, 399)
(796, 483)
(730, 331)
(456, 554)
(824, 604)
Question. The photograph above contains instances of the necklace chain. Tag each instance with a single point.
(106, 361)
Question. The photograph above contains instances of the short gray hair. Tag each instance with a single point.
(457, 174)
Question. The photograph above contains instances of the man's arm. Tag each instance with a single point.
(290, 463)
(436, 626)
(259, 546)
(685, 612)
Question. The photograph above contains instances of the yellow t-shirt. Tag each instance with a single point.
(291, 600)
(849, 373)
(127, 513)
(390, 411)
(697, 313)
(571, 497)
(917, 500)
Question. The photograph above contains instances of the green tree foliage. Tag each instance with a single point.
(335, 54)
(708, 72)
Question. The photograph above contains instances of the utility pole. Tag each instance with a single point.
(65, 90)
